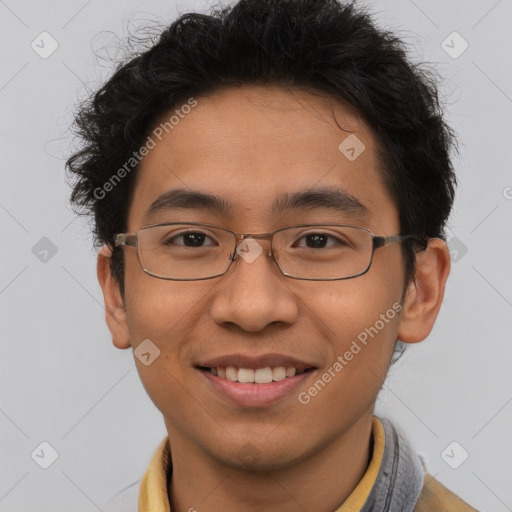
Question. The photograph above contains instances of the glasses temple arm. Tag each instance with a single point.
(125, 239)
(382, 241)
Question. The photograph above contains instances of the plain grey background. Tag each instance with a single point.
(61, 380)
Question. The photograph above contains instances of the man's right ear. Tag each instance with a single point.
(115, 313)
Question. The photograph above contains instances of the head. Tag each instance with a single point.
(251, 104)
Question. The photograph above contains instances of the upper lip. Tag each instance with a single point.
(254, 362)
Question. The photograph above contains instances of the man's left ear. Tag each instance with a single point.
(425, 292)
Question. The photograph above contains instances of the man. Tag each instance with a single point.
(270, 185)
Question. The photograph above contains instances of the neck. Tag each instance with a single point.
(201, 482)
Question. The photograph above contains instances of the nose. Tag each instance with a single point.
(254, 293)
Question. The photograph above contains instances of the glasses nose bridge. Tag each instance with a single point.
(240, 237)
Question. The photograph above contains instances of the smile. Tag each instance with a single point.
(247, 387)
(255, 376)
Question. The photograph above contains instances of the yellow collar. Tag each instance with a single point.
(153, 496)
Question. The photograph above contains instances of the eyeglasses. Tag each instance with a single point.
(314, 252)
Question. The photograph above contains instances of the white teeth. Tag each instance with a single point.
(245, 375)
(290, 372)
(279, 373)
(231, 373)
(263, 375)
(258, 376)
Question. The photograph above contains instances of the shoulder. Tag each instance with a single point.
(435, 497)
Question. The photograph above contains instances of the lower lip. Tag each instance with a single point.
(256, 395)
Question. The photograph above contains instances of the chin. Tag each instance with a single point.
(255, 455)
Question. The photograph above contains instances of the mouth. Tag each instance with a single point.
(264, 375)
(249, 381)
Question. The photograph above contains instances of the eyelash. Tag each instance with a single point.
(182, 235)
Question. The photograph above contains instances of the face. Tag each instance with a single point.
(250, 147)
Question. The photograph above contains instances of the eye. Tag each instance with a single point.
(190, 239)
(318, 241)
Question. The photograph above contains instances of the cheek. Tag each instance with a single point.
(166, 313)
(360, 322)
(361, 331)
(160, 310)
(347, 308)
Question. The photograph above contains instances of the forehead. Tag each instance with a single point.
(255, 146)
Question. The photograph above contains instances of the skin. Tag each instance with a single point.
(248, 146)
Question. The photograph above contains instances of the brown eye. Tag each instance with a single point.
(317, 241)
(190, 239)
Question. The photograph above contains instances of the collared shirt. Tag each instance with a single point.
(153, 494)
(395, 480)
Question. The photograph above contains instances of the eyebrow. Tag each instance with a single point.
(335, 199)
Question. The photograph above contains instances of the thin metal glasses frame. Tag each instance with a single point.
(378, 241)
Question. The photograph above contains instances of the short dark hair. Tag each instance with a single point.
(323, 46)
